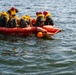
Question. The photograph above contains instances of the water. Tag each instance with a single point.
(32, 56)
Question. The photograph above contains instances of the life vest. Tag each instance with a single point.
(26, 17)
(40, 20)
(24, 21)
(4, 14)
(39, 15)
(13, 12)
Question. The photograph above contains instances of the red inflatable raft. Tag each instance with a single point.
(27, 31)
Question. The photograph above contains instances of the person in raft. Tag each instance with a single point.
(39, 19)
(12, 12)
(48, 18)
(25, 21)
(3, 19)
(12, 17)
(39, 26)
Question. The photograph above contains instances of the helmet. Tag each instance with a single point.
(45, 12)
(39, 12)
(13, 8)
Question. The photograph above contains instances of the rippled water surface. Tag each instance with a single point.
(32, 56)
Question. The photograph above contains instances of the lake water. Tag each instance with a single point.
(32, 56)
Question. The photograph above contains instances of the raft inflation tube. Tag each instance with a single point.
(52, 29)
(18, 31)
(27, 31)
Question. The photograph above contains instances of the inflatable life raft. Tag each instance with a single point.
(27, 31)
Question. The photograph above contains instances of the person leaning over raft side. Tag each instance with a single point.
(12, 17)
(3, 19)
(48, 18)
